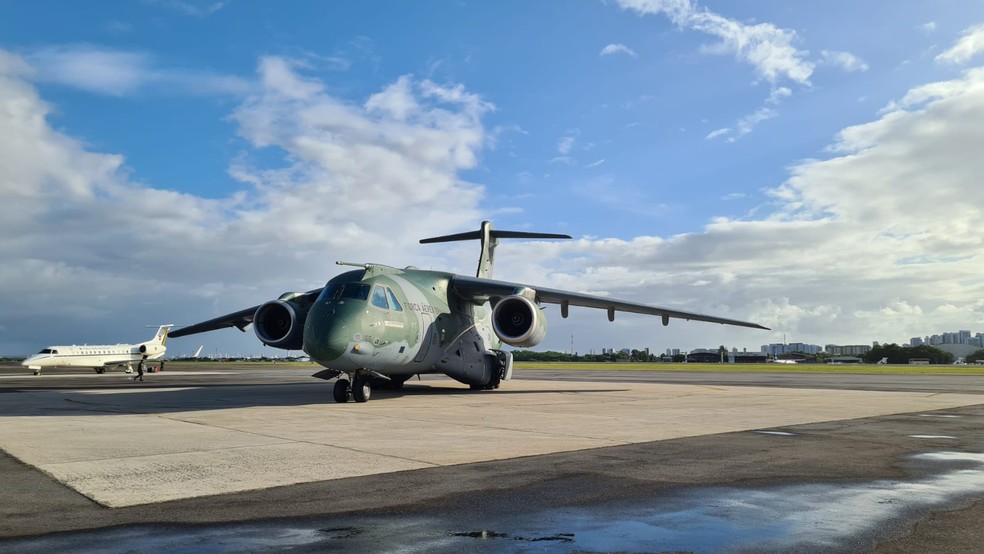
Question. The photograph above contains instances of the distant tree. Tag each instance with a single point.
(977, 355)
(899, 355)
(679, 358)
(723, 352)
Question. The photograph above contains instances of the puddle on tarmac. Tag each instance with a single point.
(814, 517)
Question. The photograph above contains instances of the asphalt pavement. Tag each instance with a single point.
(653, 466)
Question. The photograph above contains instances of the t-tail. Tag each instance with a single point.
(161, 336)
(490, 239)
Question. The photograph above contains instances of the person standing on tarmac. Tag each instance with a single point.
(140, 370)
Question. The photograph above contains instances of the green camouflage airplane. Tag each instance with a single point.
(382, 324)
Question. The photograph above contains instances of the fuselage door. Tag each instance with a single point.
(427, 336)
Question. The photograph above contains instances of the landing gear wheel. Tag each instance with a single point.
(341, 391)
(100, 370)
(360, 389)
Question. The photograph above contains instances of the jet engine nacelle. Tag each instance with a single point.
(518, 321)
(280, 324)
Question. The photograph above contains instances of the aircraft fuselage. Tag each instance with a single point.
(399, 323)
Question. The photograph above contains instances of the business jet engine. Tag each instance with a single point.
(518, 321)
(280, 323)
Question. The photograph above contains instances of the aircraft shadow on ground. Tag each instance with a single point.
(143, 399)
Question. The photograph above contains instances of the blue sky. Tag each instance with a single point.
(811, 166)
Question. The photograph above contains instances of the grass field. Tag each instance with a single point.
(771, 368)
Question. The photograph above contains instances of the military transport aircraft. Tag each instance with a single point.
(100, 356)
(383, 324)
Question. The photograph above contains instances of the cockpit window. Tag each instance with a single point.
(394, 303)
(379, 298)
(355, 291)
(48, 351)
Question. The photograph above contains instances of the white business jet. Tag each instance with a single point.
(100, 357)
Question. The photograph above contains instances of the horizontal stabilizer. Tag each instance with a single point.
(495, 234)
(490, 239)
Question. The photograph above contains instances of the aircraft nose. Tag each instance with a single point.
(326, 334)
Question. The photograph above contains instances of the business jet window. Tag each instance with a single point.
(48, 351)
(379, 298)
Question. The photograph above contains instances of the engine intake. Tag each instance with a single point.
(518, 321)
(280, 324)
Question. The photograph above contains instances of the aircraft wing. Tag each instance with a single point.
(480, 290)
(240, 320)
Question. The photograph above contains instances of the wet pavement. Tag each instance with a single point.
(803, 518)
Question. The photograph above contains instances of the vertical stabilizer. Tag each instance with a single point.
(161, 336)
(489, 238)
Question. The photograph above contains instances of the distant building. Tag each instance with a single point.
(777, 349)
(704, 356)
(747, 358)
(848, 350)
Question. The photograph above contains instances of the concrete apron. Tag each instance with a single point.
(119, 451)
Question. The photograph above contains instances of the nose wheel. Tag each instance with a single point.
(359, 389)
(341, 391)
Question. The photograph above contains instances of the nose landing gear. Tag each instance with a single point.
(359, 388)
(341, 391)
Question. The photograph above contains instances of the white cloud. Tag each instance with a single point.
(197, 8)
(121, 73)
(611, 49)
(566, 144)
(835, 261)
(967, 46)
(777, 94)
(845, 60)
(928, 27)
(91, 68)
(717, 133)
(745, 125)
(769, 49)
(595, 163)
(86, 242)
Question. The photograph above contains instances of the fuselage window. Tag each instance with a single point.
(394, 303)
(379, 298)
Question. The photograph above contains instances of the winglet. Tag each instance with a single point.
(490, 239)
